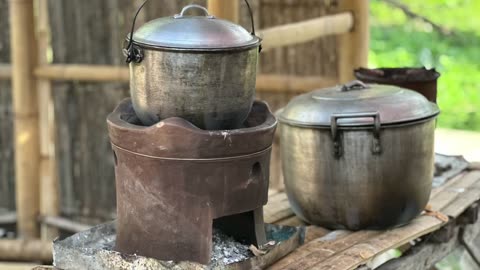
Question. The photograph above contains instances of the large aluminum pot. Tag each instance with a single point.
(358, 156)
(199, 68)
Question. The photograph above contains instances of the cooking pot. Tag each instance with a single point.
(199, 68)
(358, 156)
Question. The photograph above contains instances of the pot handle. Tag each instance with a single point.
(134, 54)
(337, 145)
(354, 85)
(185, 9)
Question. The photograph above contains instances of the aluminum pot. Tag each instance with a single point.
(358, 156)
(199, 68)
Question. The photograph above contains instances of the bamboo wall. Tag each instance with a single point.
(7, 180)
(312, 58)
(90, 32)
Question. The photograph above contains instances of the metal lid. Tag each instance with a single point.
(355, 104)
(194, 33)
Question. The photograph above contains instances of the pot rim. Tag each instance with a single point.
(293, 123)
(247, 47)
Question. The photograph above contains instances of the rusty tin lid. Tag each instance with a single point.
(197, 33)
(355, 104)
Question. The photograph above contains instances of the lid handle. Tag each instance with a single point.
(185, 9)
(354, 85)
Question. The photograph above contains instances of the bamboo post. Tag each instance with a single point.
(225, 9)
(353, 46)
(49, 205)
(25, 108)
(26, 250)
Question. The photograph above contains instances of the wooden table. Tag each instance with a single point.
(425, 241)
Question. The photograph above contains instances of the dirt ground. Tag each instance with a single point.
(458, 142)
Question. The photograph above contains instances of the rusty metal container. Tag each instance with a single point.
(421, 80)
(173, 179)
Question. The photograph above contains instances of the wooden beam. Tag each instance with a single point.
(25, 250)
(25, 108)
(353, 47)
(300, 32)
(225, 9)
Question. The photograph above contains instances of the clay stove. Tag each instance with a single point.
(175, 182)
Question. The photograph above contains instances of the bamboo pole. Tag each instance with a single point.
(26, 250)
(265, 82)
(5, 72)
(93, 73)
(8, 218)
(300, 32)
(25, 108)
(225, 9)
(49, 205)
(354, 46)
(292, 84)
(65, 224)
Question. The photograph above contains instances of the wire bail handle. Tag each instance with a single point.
(135, 55)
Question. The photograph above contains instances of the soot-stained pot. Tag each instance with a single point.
(199, 68)
(421, 80)
(358, 156)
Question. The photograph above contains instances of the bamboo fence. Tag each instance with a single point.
(31, 75)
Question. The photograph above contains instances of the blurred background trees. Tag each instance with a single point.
(441, 34)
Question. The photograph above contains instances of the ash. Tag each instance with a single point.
(227, 251)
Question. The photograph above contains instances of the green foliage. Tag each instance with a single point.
(399, 41)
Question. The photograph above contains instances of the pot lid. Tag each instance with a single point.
(194, 32)
(355, 104)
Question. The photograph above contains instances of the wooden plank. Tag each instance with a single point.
(427, 254)
(308, 30)
(466, 197)
(453, 190)
(363, 252)
(319, 249)
(361, 248)
(360, 253)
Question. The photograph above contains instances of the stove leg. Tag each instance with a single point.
(247, 227)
